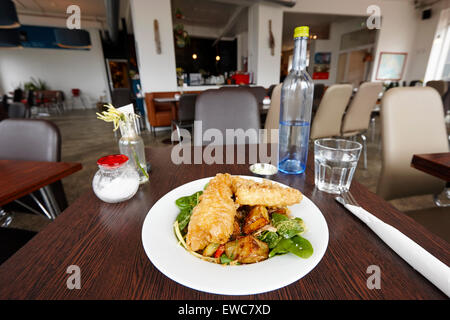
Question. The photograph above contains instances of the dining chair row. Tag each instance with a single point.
(334, 116)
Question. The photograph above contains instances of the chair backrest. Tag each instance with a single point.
(17, 110)
(270, 89)
(226, 109)
(29, 139)
(439, 85)
(328, 118)
(186, 107)
(412, 122)
(357, 117)
(259, 92)
(273, 115)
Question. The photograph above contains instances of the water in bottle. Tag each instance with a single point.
(295, 110)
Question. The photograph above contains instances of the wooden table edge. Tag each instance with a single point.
(420, 163)
(75, 166)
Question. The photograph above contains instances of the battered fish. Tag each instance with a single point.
(264, 193)
(212, 220)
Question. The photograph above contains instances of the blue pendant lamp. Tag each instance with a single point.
(72, 38)
(8, 15)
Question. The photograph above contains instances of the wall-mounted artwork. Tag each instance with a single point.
(322, 62)
(391, 66)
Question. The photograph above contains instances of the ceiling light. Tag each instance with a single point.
(72, 38)
(8, 15)
(217, 58)
(194, 56)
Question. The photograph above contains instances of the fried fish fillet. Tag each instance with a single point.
(212, 220)
(266, 193)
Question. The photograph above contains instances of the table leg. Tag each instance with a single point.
(50, 201)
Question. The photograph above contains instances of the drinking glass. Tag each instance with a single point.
(335, 162)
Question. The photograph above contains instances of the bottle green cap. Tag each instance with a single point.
(301, 32)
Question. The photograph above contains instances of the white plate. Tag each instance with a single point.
(161, 246)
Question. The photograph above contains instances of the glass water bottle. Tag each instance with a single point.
(295, 110)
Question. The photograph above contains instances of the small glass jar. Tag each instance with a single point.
(115, 181)
(132, 145)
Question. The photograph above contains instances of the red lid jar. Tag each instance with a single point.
(112, 161)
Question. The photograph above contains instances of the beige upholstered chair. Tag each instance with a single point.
(439, 85)
(328, 118)
(412, 122)
(357, 118)
(273, 115)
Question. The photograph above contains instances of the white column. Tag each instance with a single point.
(157, 71)
(265, 67)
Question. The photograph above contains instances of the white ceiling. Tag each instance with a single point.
(319, 24)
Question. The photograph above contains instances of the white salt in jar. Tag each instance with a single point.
(115, 181)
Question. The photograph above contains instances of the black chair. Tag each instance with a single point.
(186, 112)
(34, 140)
(17, 110)
(270, 90)
(319, 89)
(415, 83)
(11, 240)
(259, 92)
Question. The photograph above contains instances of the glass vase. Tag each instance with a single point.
(132, 145)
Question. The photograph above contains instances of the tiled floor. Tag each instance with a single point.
(85, 139)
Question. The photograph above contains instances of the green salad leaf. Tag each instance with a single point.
(287, 228)
(296, 245)
(271, 238)
(186, 204)
(224, 259)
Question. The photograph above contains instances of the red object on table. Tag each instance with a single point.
(320, 75)
(112, 161)
(240, 78)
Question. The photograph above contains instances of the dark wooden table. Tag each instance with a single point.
(436, 164)
(104, 240)
(19, 178)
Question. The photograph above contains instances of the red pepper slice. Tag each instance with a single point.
(219, 251)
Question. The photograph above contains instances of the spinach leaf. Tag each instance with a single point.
(296, 245)
(281, 248)
(186, 204)
(287, 228)
(271, 238)
(183, 218)
(276, 218)
(301, 247)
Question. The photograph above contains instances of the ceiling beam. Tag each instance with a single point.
(231, 21)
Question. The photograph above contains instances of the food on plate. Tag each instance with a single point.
(240, 221)
(266, 193)
(212, 219)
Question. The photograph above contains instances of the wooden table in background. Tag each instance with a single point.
(436, 164)
(104, 240)
(19, 178)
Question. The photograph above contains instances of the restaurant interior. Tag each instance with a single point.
(93, 88)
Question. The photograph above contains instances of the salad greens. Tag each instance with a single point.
(287, 237)
(186, 204)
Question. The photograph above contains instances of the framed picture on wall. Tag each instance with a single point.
(391, 66)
